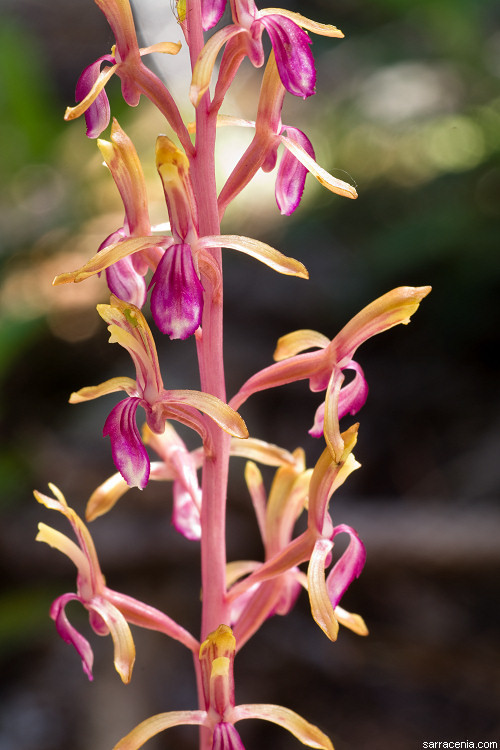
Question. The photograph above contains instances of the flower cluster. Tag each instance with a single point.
(179, 266)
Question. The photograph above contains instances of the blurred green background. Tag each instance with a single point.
(407, 108)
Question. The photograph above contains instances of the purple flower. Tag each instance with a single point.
(129, 328)
(291, 46)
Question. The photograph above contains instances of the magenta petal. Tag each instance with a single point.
(177, 297)
(226, 737)
(353, 395)
(348, 567)
(129, 454)
(292, 174)
(124, 281)
(293, 56)
(211, 12)
(98, 114)
(186, 515)
(69, 634)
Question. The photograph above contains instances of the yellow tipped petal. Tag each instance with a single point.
(73, 112)
(105, 496)
(351, 621)
(166, 48)
(124, 649)
(221, 413)
(322, 29)
(321, 606)
(109, 386)
(106, 257)
(307, 733)
(61, 542)
(264, 453)
(156, 724)
(265, 253)
(325, 178)
(297, 342)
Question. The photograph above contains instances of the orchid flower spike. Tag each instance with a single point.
(128, 327)
(216, 658)
(104, 617)
(289, 40)
(325, 367)
(124, 60)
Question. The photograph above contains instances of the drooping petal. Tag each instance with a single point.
(177, 297)
(291, 176)
(156, 724)
(129, 454)
(305, 732)
(98, 113)
(95, 100)
(325, 178)
(348, 567)
(265, 253)
(105, 496)
(321, 606)
(211, 12)
(262, 452)
(293, 56)
(124, 649)
(69, 634)
(350, 620)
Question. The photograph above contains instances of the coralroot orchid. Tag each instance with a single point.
(181, 263)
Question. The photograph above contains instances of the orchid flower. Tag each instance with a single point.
(276, 518)
(298, 158)
(104, 617)
(216, 660)
(290, 43)
(180, 466)
(325, 367)
(129, 328)
(181, 260)
(109, 611)
(272, 586)
(124, 60)
(126, 277)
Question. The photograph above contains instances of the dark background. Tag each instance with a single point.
(408, 105)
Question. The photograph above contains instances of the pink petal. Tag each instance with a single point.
(348, 567)
(98, 114)
(129, 454)
(177, 297)
(292, 174)
(124, 281)
(69, 634)
(211, 12)
(186, 514)
(293, 56)
(226, 737)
